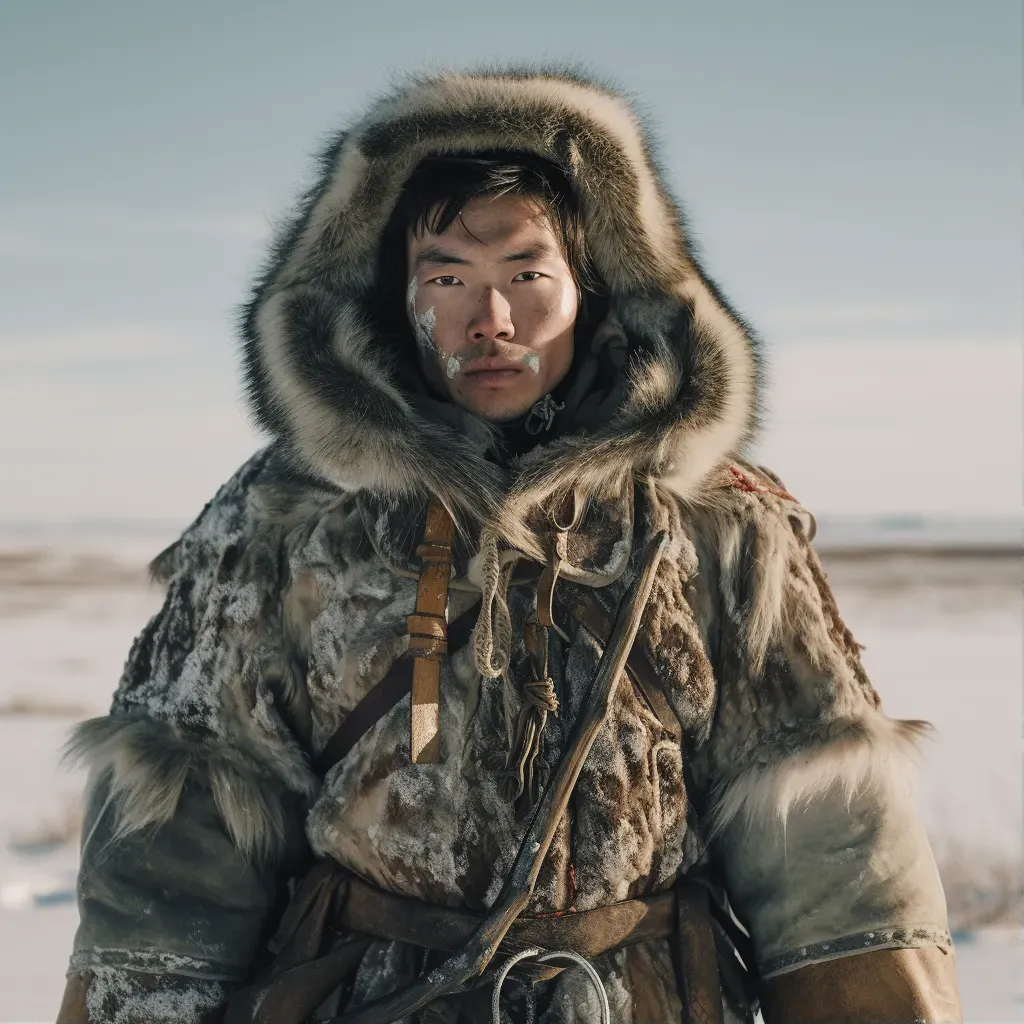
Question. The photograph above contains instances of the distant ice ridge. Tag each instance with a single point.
(884, 532)
(920, 533)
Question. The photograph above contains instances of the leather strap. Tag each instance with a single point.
(428, 634)
(333, 902)
(385, 695)
(699, 982)
(369, 910)
(591, 614)
(588, 611)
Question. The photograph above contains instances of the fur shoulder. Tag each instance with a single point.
(739, 486)
(209, 680)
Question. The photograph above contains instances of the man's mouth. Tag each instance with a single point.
(491, 372)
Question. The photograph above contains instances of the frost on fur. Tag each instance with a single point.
(797, 715)
(148, 767)
(118, 996)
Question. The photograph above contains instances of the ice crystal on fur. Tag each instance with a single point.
(119, 996)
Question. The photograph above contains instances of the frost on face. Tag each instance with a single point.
(423, 323)
(453, 367)
(532, 361)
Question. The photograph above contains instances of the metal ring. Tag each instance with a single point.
(502, 975)
(542, 957)
(582, 961)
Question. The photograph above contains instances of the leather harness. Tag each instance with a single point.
(331, 900)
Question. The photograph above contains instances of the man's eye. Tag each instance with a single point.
(528, 275)
(446, 280)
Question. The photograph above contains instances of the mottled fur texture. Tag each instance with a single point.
(207, 681)
(322, 379)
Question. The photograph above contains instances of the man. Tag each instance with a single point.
(494, 371)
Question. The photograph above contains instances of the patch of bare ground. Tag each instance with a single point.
(44, 569)
(41, 707)
(61, 828)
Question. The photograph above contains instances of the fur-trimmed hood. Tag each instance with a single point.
(321, 377)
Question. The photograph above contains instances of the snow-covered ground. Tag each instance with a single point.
(942, 638)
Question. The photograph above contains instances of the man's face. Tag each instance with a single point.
(492, 303)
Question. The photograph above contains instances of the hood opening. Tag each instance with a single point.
(327, 367)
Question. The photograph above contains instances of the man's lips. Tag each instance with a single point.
(491, 378)
(492, 372)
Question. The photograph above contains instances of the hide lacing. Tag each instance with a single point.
(493, 640)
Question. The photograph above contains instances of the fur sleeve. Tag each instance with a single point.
(199, 775)
(211, 685)
(806, 782)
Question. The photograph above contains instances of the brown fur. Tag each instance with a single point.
(322, 380)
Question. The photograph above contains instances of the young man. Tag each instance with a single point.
(494, 371)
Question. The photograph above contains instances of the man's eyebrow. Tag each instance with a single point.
(532, 252)
(433, 256)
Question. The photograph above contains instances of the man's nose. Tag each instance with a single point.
(492, 320)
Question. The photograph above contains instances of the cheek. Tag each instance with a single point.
(449, 326)
(570, 303)
(433, 321)
(550, 315)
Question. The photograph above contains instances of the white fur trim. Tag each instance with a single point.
(874, 753)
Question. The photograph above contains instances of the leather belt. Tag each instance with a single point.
(368, 910)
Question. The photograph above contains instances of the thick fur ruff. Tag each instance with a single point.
(873, 753)
(321, 377)
(149, 766)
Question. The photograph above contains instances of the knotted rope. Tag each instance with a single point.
(493, 643)
(538, 701)
(493, 635)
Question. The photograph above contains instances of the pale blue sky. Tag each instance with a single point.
(850, 170)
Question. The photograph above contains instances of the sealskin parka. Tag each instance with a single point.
(287, 601)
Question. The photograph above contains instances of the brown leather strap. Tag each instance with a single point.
(359, 912)
(428, 634)
(700, 985)
(369, 910)
(396, 683)
(385, 695)
(590, 613)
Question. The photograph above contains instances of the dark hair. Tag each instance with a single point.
(440, 187)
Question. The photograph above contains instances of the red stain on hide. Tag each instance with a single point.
(745, 482)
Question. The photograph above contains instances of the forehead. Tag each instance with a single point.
(495, 223)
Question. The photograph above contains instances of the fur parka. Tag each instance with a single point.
(287, 601)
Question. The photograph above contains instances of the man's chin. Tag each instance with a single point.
(503, 412)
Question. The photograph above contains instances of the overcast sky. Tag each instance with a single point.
(851, 173)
